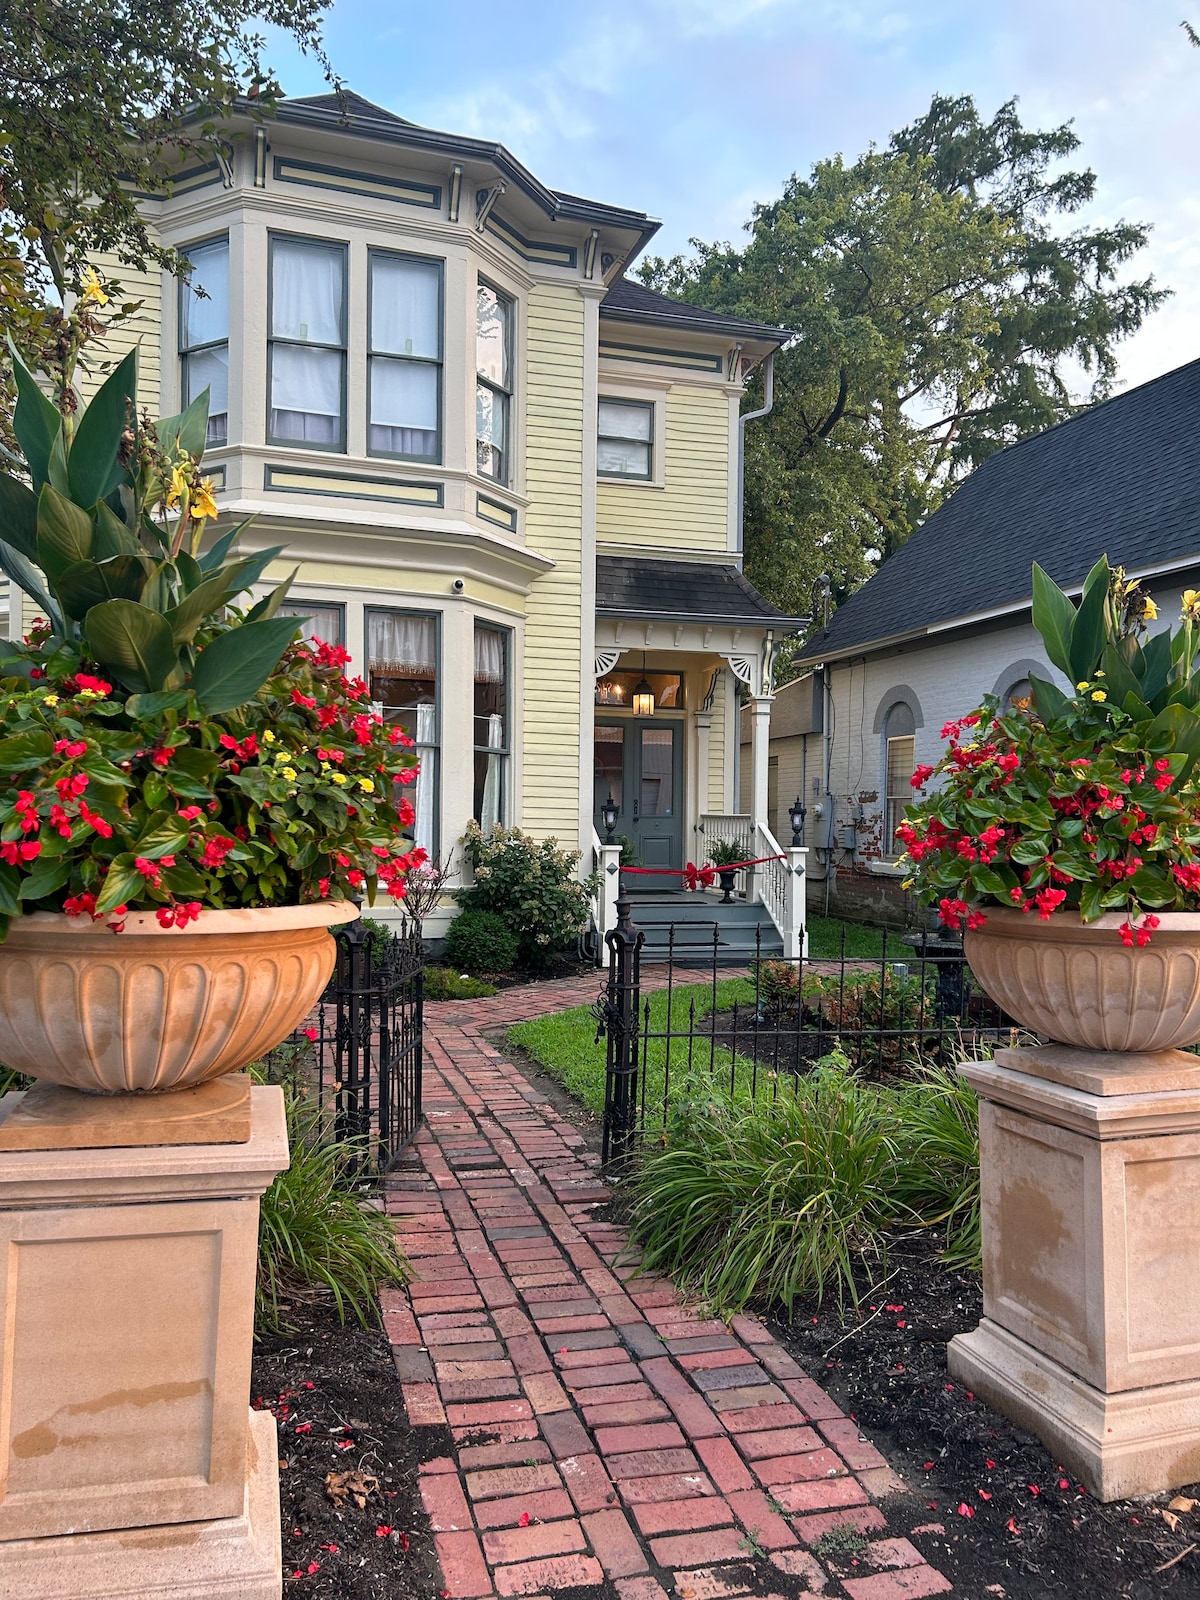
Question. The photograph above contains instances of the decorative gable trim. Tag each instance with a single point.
(543, 252)
(653, 356)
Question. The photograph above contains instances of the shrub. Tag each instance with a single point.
(443, 983)
(938, 1175)
(481, 941)
(532, 885)
(318, 1235)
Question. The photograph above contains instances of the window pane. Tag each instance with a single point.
(306, 291)
(306, 394)
(205, 316)
(405, 297)
(491, 688)
(325, 623)
(658, 745)
(209, 369)
(623, 458)
(404, 407)
(620, 421)
(491, 336)
(402, 671)
(491, 418)
(609, 766)
(901, 763)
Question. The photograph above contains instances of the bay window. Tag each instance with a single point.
(307, 350)
(204, 333)
(402, 666)
(490, 807)
(405, 357)
(624, 438)
(493, 387)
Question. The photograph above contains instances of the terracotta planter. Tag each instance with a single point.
(1078, 984)
(153, 1008)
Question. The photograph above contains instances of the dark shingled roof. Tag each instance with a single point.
(627, 301)
(1121, 479)
(695, 591)
(351, 105)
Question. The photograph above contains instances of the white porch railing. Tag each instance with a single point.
(606, 861)
(777, 884)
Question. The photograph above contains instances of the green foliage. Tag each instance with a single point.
(318, 1234)
(893, 1015)
(481, 941)
(532, 885)
(942, 313)
(160, 748)
(1086, 801)
(443, 983)
(792, 1191)
(726, 852)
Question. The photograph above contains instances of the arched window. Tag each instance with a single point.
(1018, 693)
(899, 763)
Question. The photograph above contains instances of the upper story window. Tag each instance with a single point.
(204, 333)
(493, 389)
(307, 353)
(625, 439)
(405, 358)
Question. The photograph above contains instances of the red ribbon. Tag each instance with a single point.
(695, 877)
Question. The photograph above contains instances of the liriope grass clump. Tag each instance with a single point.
(791, 1191)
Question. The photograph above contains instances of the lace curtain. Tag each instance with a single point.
(401, 646)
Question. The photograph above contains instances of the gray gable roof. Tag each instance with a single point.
(696, 591)
(627, 301)
(1122, 479)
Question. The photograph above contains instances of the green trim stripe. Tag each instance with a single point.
(352, 486)
(651, 356)
(184, 182)
(541, 251)
(317, 176)
(493, 511)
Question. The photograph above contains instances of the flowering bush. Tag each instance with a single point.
(1087, 802)
(531, 883)
(161, 749)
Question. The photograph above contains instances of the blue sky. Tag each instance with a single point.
(694, 109)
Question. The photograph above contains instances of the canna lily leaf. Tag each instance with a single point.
(134, 643)
(1088, 627)
(187, 431)
(85, 584)
(18, 516)
(37, 425)
(64, 533)
(234, 667)
(92, 469)
(1053, 617)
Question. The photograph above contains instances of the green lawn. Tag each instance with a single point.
(825, 940)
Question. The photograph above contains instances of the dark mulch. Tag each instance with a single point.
(1004, 1519)
(335, 1394)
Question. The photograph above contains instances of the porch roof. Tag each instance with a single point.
(684, 591)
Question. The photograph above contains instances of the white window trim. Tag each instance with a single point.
(609, 388)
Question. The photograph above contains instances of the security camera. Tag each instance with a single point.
(458, 585)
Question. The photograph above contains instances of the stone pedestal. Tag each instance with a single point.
(127, 1461)
(1090, 1337)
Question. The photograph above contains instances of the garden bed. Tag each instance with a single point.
(975, 1478)
(334, 1391)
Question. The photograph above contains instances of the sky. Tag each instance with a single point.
(694, 110)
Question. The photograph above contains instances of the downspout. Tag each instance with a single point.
(751, 416)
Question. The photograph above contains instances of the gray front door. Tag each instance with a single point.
(640, 765)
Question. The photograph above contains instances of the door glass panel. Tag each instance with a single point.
(609, 769)
(657, 797)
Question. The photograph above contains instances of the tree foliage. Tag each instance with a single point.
(941, 312)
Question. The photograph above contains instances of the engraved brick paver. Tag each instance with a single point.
(605, 1432)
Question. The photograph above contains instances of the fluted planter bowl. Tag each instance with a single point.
(1078, 984)
(153, 1008)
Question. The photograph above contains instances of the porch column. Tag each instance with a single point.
(703, 730)
(760, 728)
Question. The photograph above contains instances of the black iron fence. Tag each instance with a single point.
(913, 1002)
(358, 1055)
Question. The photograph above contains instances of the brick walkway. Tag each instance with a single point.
(604, 1431)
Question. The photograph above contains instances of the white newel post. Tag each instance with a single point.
(610, 888)
(760, 733)
(795, 939)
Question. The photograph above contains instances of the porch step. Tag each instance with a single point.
(741, 929)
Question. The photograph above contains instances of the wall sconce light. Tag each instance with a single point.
(643, 694)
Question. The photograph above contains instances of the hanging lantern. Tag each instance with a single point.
(643, 694)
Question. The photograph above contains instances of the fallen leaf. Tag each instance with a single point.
(1181, 1503)
(1171, 1520)
(356, 1486)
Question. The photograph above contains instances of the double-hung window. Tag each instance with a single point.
(900, 761)
(307, 358)
(494, 386)
(402, 651)
(326, 622)
(405, 357)
(625, 439)
(491, 726)
(204, 333)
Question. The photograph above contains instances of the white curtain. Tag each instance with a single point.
(424, 789)
(209, 369)
(490, 810)
(404, 407)
(489, 656)
(324, 622)
(402, 647)
(206, 319)
(306, 292)
(404, 308)
(306, 384)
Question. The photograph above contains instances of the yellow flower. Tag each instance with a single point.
(367, 785)
(337, 777)
(1099, 694)
(203, 504)
(1081, 685)
(290, 774)
(324, 766)
(268, 737)
(1149, 610)
(92, 288)
(1191, 603)
(179, 484)
(50, 700)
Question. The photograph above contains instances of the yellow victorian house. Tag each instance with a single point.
(507, 474)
